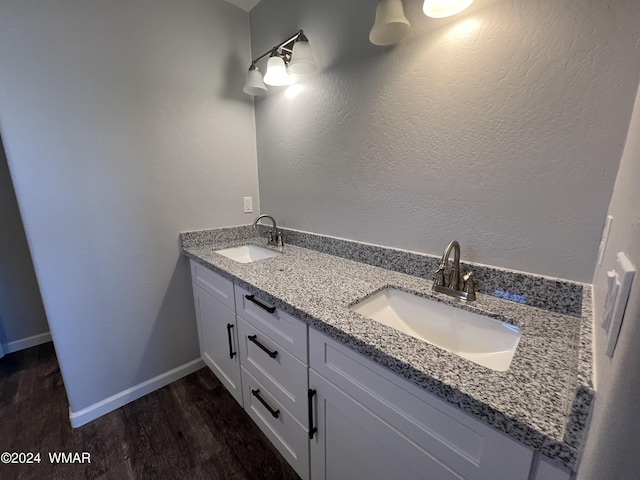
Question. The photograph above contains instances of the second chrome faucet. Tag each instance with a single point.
(449, 282)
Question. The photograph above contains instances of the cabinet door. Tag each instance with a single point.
(352, 442)
(442, 432)
(217, 332)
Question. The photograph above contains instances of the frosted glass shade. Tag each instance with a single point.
(444, 8)
(390, 25)
(254, 84)
(277, 74)
(302, 60)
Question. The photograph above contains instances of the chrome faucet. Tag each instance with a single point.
(450, 284)
(275, 235)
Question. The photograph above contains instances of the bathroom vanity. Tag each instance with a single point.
(343, 396)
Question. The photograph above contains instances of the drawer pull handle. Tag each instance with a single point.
(252, 298)
(253, 338)
(231, 352)
(310, 394)
(274, 413)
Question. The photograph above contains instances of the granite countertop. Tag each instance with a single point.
(542, 400)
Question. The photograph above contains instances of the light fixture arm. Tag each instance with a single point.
(281, 46)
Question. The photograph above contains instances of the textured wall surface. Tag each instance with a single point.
(124, 123)
(612, 447)
(21, 310)
(502, 127)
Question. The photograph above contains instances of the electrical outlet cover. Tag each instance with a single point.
(248, 204)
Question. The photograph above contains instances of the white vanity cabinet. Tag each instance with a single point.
(217, 328)
(373, 424)
(335, 414)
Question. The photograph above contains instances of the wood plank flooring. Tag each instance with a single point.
(191, 429)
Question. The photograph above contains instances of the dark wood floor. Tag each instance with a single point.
(191, 429)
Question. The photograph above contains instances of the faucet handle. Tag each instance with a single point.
(440, 278)
(469, 286)
(279, 239)
(275, 238)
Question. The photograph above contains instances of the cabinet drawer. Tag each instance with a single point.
(214, 284)
(465, 445)
(289, 332)
(283, 374)
(286, 434)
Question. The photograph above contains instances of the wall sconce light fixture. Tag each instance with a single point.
(444, 8)
(293, 56)
(391, 25)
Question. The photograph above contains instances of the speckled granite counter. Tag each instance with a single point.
(544, 398)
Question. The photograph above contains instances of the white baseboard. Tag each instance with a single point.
(116, 401)
(26, 343)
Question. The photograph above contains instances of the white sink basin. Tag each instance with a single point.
(248, 253)
(483, 340)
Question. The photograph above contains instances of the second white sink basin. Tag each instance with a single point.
(483, 340)
(248, 253)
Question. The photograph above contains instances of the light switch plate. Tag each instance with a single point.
(625, 271)
(613, 285)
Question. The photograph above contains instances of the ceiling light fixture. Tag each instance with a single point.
(291, 57)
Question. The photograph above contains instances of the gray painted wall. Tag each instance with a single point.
(21, 310)
(611, 451)
(123, 123)
(502, 127)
